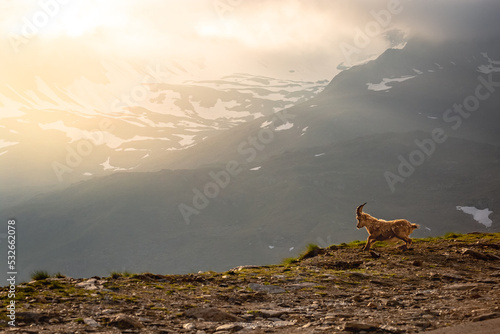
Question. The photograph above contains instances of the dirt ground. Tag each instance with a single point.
(438, 283)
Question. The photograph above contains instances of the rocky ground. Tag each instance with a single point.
(440, 282)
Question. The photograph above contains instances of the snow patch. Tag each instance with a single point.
(256, 168)
(492, 66)
(4, 143)
(186, 139)
(383, 84)
(266, 124)
(319, 155)
(220, 110)
(107, 166)
(285, 126)
(481, 216)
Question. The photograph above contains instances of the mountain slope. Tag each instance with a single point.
(133, 221)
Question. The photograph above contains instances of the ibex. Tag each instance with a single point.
(379, 229)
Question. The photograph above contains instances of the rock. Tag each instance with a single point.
(375, 305)
(229, 328)
(90, 322)
(423, 324)
(90, 284)
(189, 326)
(383, 283)
(271, 313)
(123, 321)
(359, 275)
(374, 254)
(211, 314)
(480, 256)
(418, 263)
(360, 326)
(453, 277)
(239, 268)
(266, 288)
(486, 317)
(301, 285)
(460, 286)
(393, 302)
(31, 317)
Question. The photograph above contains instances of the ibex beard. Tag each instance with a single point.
(379, 229)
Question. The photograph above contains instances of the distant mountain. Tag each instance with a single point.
(419, 87)
(77, 132)
(414, 133)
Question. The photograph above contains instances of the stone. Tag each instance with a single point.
(211, 314)
(359, 326)
(301, 285)
(90, 284)
(31, 317)
(359, 275)
(418, 263)
(479, 255)
(229, 327)
(189, 326)
(487, 316)
(90, 322)
(271, 313)
(123, 321)
(460, 286)
(266, 288)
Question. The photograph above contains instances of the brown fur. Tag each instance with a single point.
(379, 229)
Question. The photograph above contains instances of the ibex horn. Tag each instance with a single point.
(359, 209)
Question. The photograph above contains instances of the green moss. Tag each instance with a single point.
(290, 261)
(55, 286)
(451, 235)
(353, 244)
(157, 308)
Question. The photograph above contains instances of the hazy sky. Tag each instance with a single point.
(301, 39)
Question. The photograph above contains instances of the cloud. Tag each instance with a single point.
(269, 37)
(453, 19)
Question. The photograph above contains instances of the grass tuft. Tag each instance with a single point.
(115, 274)
(312, 250)
(40, 275)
